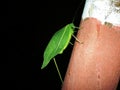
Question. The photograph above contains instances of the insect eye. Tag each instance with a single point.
(73, 27)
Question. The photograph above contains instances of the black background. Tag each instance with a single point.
(30, 25)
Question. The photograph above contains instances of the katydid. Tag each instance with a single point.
(58, 44)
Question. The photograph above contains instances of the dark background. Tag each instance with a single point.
(30, 25)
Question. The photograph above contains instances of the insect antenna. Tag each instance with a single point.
(76, 11)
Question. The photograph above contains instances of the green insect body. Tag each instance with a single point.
(58, 43)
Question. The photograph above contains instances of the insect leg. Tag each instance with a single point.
(77, 39)
(74, 27)
(71, 43)
(58, 70)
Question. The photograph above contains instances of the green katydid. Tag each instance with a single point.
(58, 44)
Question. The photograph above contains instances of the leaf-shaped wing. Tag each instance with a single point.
(58, 43)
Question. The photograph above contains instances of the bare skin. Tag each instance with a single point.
(95, 64)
